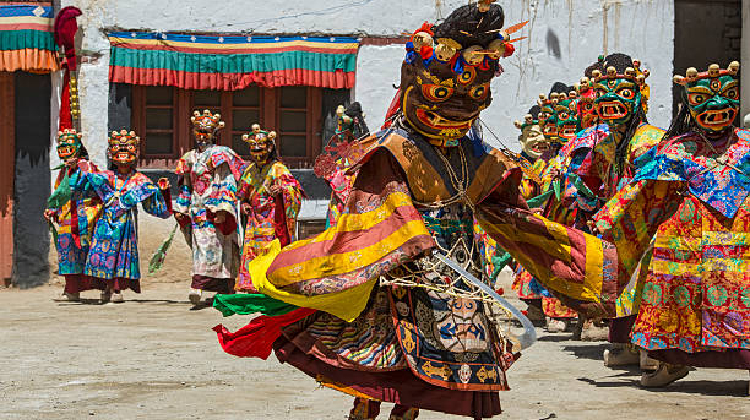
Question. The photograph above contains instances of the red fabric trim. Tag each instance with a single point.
(256, 338)
(230, 81)
(352, 240)
(392, 110)
(66, 119)
(168, 199)
(19, 26)
(282, 228)
(227, 227)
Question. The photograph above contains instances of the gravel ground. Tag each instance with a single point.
(155, 358)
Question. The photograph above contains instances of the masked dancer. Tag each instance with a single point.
(271, 199)
(207, 207)
(113, 257)
(690, 194)
(73, 210)
(381, 315)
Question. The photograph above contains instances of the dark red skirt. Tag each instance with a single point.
(399, 387)
(619, 329)
(119, 284)
(212, 284)
(77, 283)
(731, 359)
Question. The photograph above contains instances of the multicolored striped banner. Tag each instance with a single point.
(231, 62)
(26, 37)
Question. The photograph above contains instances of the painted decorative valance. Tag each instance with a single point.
(231, 62)
(26, 37)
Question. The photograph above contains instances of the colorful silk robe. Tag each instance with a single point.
(76, 218)
(271, 217)
(591, 179)
(208, 183)
(114, 244)
(536, 177)
(696, 293)
(402, 205)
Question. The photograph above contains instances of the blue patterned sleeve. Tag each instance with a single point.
(97, 182)
(156, 205)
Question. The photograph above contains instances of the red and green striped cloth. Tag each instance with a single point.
(26, 36)
(231, 62)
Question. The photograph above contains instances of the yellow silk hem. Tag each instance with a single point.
(337, 264)
(346, 305)
(349, 222)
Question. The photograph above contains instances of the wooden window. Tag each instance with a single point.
(161, 116)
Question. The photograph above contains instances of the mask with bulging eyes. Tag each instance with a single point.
(617, 100)
(558, 116)
(261, 144)
(445, 77)
(713, 102)
(712, 97)
(439, 103)
(68, 144)
(206, 127)
(123, 147)
(566, 119)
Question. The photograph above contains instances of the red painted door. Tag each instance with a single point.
(7, 173)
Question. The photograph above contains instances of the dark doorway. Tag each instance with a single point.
(32, 179)
(705, 32)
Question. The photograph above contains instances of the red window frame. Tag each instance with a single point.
(183, 105)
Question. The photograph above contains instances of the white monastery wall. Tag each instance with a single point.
(565, 36)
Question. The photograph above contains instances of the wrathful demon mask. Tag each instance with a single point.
(532, 139)
(585, 107)
(123, 147)
(621, 90)
(68, 144)
(713, 97)
(206, 127)
(558, 115)
(262, 144)
(445, 78)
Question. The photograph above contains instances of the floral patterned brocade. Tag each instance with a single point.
(114, 245)
(696, 294)
(209, 183)
(77, 219)
(268, 213)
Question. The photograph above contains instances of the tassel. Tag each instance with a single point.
(157, 260)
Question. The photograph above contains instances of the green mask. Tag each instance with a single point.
(617, 100)
(713, 102)
(566, 119)
(68, 144)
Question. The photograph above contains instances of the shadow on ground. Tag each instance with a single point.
(586, 350)
(706, 388)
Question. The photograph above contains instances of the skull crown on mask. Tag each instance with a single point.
(620, 90)
(532, 139)
(68, 144)
(123, 147)
(261, 143)
(712, 97)
(206, 127)
(445, 78)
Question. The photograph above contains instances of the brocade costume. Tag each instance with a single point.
(113, 257)
(208, 183)
(76, 218)
(377, 339)
(271, 216)
(695, 300)
(379, 316)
